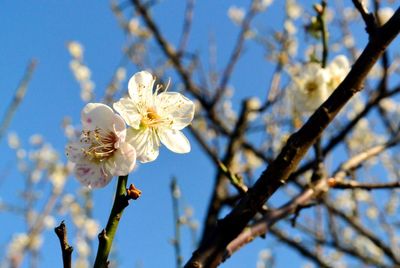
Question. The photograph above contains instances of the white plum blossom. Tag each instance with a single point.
(154, 117)
(236, 14)
(293, 9)
(261, 5)
(384, 14)
(338, 69)
(309, 87)
(102, 151)
(75, 49)
(311, 84)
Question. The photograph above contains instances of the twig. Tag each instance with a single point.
(365, 232)
(187, 25)
(219, 192)
(66, 249)
(300, 248)
(320, 9)
(370, 24)
(106, 236)
(365, 186)
(18, 97)
(236, 53)
(233, 178)
(175, 194)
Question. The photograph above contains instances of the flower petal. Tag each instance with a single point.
(128, 109)
(119, 128)
(74, 152)
(97, 115)
(146, 143)
(123, 160)
(177, 106)
(92, 174)
(174, 140)
(340, 62)
(140, 87)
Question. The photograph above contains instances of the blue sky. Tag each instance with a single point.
(40, 30)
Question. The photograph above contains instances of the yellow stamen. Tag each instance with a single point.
(101, 144)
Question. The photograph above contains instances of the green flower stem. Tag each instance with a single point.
(106, 236)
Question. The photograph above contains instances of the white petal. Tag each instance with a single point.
(177, 106)
(146, 143)
(129, 111)
(140, 87)
(119, 127)
(341, 62)
(91, 174)
(97, 115)
(123, 160)
(174, 140)
(74, 152)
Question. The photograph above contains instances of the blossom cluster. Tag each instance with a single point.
(81, 71)
(108, 148)
(311, 84)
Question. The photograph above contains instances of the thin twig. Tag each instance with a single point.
(348, 184)
(321, 262)
(370, 24)
(18, 97)
(187, 25)
(320, 9)
(66, 249)
(175, 194)
(236, 53)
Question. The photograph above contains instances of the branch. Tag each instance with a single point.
(300, 248)
(175, 194)
(210, 253)
(219, 192)
(304, 199)
(370, 24)
(66, 249)
(106, 236)
(18, 97)
(348, 184)
(321, 9)
(187, 25)
(235, 55)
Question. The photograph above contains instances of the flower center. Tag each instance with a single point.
(152, 114)
(311, 86)
(100, 144)
(151, 118)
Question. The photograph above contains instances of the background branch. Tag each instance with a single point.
(18, 97)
